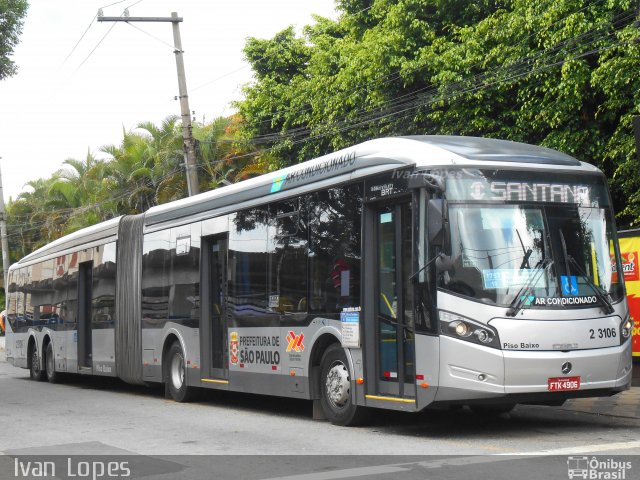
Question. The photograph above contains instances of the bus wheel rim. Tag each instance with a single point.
(337, 385)
(177, 371)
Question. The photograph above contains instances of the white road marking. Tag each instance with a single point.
(459, 461)
(605, 447)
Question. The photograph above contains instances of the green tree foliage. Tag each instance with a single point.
(12, 13)
(145, 169)
(558, 73)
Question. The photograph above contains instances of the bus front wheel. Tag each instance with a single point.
(335, 385)
(176, 375)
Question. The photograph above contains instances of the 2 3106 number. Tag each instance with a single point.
(602, 333)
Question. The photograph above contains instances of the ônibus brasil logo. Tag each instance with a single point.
(597, 469)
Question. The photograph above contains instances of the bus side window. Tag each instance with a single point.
(184, 298)
(60, 291)
(43, 298)
(11, 300)
(335, 249)
(156, 281)
(33, 310)
(249, 264)
(104, 286)
(288, 285)
(20, 298)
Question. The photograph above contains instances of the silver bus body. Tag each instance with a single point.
(552, 346)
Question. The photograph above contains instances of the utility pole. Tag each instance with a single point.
(3, 236)
(187, 130)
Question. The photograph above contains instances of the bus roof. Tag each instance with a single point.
(373, 156)
(94, 233)
(494, 150)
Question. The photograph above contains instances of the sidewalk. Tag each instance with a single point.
(625, 404)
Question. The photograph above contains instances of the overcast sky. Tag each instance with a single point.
(55, 109)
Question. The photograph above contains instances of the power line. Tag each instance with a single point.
(430, 100)
(88, 27)
(95, 48)
(151, 35)
(396, 74)
(521, 63)
(108, 32)
(225, 75)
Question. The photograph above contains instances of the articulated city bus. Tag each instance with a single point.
(401, 273)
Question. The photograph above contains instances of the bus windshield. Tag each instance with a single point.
(553, 255)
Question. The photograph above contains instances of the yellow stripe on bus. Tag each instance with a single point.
(390, 399)
(211, 380)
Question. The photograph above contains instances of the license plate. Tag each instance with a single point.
(563, 384)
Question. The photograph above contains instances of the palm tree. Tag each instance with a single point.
(32, 218)
(166, 158)
(223, 157)
(78, 189)
(146, 169)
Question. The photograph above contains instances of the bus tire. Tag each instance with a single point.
(176, 375)
(335, 387)
(50, 365)
(35, 372)
(492, 410)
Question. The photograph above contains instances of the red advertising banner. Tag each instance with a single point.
(630, 247)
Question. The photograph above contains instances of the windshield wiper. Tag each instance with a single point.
(525, 259)
(527, 253)
(596, 289)
(519, 299)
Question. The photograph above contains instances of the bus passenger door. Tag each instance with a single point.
(213, 322)
(392, 301)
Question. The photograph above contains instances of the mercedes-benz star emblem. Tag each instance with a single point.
(566, 367)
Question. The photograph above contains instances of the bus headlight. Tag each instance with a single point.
(483, 335)
(461, 329)
(625, 328)
(464, 328)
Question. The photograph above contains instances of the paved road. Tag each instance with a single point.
(90, 416)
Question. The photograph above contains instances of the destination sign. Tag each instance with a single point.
(518, 189)
(531, 192)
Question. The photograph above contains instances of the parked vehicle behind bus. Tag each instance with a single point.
(401, 273)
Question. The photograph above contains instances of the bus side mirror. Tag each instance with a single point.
(436, 222)
(433, 183)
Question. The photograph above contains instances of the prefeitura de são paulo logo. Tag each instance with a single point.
(598, 468)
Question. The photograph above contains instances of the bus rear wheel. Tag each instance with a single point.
(50, 365)
(176, 375)
(335, 385)
(35, 372)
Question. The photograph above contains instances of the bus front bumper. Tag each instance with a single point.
(470, 372)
